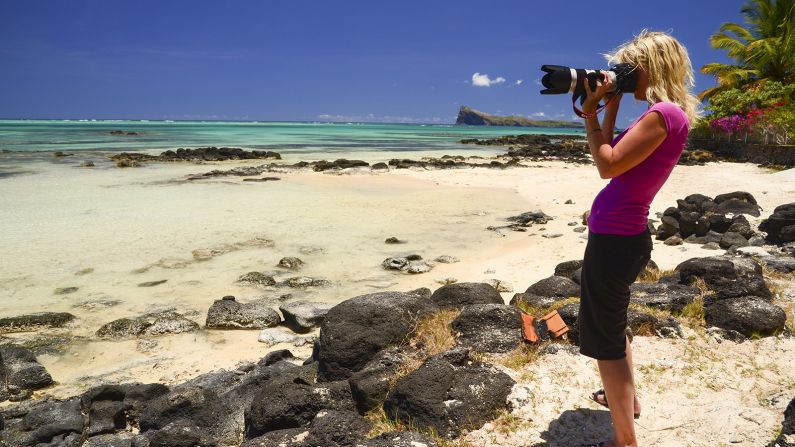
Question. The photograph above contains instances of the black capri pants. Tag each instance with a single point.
(611, 264)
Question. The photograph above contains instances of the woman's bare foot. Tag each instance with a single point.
(601, 398)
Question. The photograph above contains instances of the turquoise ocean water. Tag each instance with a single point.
(285, 137)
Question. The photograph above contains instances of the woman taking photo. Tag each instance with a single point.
(638, 161)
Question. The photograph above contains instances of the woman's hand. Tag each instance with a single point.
(592, 98)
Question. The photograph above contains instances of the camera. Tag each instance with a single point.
(560, 79)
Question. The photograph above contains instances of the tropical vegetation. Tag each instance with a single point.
(756, 93)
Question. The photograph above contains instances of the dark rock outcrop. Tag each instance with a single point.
(195, 405)
(337, 428)
(357, 328)
(489, 327)
(728, 277)
(458, 295)
(45, 423)
(780, 226)
(781, 264)
(700, 219)
(198, 154)
(20, 373)
(370, 385)
(569, 269)
(292, 400)
(671, 297)
(341, 163)
(554, 286)
(449, 392)
(748, 315)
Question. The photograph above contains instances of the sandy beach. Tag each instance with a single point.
(117, 228)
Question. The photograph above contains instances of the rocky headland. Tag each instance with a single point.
(472, 117)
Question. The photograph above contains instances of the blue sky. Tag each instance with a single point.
(322, 60)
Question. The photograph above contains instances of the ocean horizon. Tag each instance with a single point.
(73, 135)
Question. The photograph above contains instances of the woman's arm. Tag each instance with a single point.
(609, 120)
(633, 148)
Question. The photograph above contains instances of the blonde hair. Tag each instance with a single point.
(668, 65)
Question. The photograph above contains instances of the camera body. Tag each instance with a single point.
(560, 79)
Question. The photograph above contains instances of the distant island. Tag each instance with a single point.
(474, 117)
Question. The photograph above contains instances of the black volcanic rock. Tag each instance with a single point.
(489, 327)
(748, 315)
(728, 277)
(780, 226)
(356, 329)
(450, 392)
(198, 154)
(461, 294)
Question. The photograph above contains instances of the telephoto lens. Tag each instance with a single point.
(560, 79)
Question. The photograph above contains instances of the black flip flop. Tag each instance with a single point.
(601, 444)
(605, 403)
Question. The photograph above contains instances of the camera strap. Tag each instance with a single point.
(598, 110)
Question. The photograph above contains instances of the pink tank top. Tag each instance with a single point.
(622, 207)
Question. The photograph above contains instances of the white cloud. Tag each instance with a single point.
(483, 80)
(519, 81)
(538, 114)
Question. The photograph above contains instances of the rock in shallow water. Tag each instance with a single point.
(65, 290)
(302, 282)
(35, 321)
(303, 316)
(290, 262)
(157, 323)
(446, 259)
(152, 283)
(407, 264)
(230, 314)
(257, 279)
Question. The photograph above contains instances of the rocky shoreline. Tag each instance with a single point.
(403, 368)
(520, 150)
